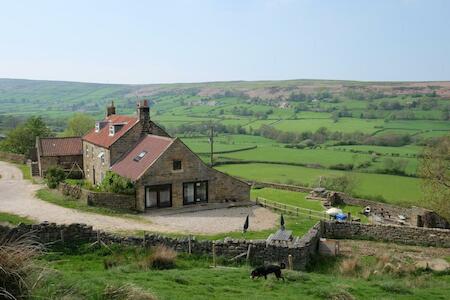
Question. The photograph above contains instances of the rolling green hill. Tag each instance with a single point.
(291, 131)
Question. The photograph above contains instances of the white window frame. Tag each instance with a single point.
(111, 130)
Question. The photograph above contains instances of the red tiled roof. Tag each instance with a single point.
(60, 146)
(102, 138)
(153, 145)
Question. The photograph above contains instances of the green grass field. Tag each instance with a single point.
(395, 189)
(80, 274)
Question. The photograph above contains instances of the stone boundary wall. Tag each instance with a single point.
(417, 236)
(17, 158)
(301, 250)
(109, 200)
(280, 186)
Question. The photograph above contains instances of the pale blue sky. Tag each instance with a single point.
(190, 41)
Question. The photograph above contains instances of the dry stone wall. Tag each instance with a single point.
(109, 200)
(17, 158)
(387, 233)
(302, 250)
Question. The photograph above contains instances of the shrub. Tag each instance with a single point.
(161, 257)
(114, 183)
(54, 176)
(344, 167)
(344, 183)
(17, 269)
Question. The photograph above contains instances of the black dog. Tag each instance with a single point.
(266, 270)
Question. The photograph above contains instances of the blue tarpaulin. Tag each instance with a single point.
(340, 217)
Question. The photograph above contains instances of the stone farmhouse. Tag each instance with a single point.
(66, 153)
(166, 173)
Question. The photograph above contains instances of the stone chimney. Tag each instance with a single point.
(111, 110)
(143, 112)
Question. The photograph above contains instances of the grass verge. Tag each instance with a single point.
(55, 197)
(14, 219)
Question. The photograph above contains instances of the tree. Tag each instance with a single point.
(79, 124)
(435, 170)
(23, 138)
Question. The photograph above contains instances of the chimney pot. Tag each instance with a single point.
(111, 110)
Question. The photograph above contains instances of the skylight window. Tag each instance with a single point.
(140, 156)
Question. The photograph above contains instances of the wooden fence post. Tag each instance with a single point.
(189, 245)
(291, 267)
(214, 253)
(297, 211)
(143, 240)
(248, 253)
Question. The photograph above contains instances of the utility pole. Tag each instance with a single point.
(211, 142)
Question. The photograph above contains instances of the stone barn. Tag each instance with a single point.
(63, 152)
(165, 171)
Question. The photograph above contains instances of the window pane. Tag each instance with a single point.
(151, 198)
(188, 192)
(164, 197)
(202, 191)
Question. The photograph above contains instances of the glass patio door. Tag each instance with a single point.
(158, 196)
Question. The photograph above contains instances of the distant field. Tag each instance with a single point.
(395, 189)
(324, 157)
(404, 150)
(343, 125)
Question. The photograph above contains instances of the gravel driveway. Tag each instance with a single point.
(17, 196)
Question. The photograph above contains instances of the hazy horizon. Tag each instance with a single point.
(150, 42)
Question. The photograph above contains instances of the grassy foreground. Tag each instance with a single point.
(14, 219)
(81, 274)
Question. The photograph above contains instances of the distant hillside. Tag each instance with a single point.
(247, 104)
(56, 98)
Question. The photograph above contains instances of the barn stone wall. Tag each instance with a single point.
(65, 162)
(221, 187)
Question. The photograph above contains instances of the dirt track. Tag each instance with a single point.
(17, 196)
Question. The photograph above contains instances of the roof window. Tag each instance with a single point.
(140, 156)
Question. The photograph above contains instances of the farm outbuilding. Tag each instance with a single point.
(63, 152)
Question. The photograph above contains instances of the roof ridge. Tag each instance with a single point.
(60, 137)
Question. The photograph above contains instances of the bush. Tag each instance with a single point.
(17, 269)
(54, 176)
(114, 183)
(344, 183)
(344, 167)
(162, 257)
